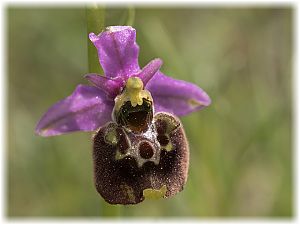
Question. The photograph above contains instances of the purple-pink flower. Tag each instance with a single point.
(90, 107)
(139, 148)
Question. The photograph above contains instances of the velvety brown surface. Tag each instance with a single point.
(122, 181)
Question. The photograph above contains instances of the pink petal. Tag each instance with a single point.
(117, 51)
(86, 109)
(176, 96)
(112, 87)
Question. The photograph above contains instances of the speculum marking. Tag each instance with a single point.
(146, 150)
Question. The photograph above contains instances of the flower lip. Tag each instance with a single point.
(137, 175)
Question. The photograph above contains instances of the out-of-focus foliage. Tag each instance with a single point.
(240, 146)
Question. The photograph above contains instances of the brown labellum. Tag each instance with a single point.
(130, 166)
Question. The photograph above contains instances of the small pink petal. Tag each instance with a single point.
(149, 70)
(112, 87)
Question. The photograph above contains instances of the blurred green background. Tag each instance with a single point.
(241, 146)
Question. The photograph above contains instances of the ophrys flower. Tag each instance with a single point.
(140, 149)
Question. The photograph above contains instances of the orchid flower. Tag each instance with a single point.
(140, 149)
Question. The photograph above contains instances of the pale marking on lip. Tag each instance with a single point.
(129, 192)
(150, 193)
(111, 137)
(169, 146)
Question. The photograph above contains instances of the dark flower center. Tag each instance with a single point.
(136, 118)
(146, 150)
(163, 139)
(161, 126)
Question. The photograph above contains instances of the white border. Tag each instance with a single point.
(213, 3)
(296, 106)
(3, 96)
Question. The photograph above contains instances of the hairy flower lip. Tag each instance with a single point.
(133, 176)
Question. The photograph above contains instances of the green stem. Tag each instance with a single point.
(131, 16)
(108, 210)
(95, 16)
